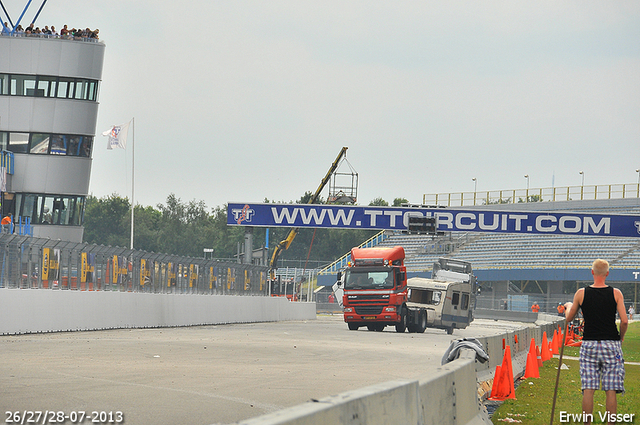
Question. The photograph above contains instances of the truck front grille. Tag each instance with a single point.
(368, 309)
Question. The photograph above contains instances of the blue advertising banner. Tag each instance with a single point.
(449, 220)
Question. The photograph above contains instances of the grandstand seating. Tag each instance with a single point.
(495, 250)
(523, 251)
(487, 251)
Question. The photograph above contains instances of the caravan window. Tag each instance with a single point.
(455, 300)
(424, 296)
(465, 301)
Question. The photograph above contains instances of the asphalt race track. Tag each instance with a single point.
(209, 374)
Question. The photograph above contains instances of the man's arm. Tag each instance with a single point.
(577, 302)
(624, 321)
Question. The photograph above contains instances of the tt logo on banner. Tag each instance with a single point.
(243, 215)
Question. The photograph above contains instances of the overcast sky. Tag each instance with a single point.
(237, 101)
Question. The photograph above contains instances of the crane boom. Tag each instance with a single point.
(285, 243)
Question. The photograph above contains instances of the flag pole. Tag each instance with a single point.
(133, 167)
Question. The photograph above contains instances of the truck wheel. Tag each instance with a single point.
(422, 321)
(353, 326)
(450, 330)
(412, 321)
(402, 326)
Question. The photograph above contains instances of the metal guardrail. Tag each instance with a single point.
(36, 263)
(549, 194)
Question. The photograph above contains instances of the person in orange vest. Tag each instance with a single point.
(560, 309)
(6, 222)
(535, 308)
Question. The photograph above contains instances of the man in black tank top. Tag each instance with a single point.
(601, 361)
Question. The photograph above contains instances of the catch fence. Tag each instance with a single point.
(36, 263)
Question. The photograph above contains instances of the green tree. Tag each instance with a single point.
(497, 201)
(107, 221)
(530, 198)
(224, 239)
(184, 228)
(378, 202)
(397, 202)
(146, 228)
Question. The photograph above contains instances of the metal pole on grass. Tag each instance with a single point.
(555, 391)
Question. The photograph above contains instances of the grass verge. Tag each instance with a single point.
(534, 397)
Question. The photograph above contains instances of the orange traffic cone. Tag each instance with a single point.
(539, 357)
(495, 388)
(544, 348)
(568, 337)
(509, 373)
(531, 370)
(503, 386)
(555, 348)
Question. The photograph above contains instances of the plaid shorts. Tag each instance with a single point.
(602, 362)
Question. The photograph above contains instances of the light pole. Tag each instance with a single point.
(526, 176)
(582, 186)
(638, 190)
(475, 189)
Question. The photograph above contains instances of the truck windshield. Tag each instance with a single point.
(356, 279)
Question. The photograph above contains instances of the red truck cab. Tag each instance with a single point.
(375, 289)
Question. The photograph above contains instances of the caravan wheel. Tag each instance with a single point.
(422, 321)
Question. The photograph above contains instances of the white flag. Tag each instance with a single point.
(117, 136)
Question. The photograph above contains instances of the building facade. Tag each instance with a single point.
(48, 109)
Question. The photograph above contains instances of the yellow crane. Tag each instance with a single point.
(285, 243)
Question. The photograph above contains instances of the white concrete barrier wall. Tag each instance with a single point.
(448, 397)
(451, 395)
(393, 402)
(30, 311)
